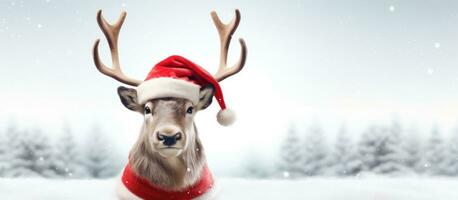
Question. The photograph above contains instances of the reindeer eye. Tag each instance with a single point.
(190, 109)
(147, 110)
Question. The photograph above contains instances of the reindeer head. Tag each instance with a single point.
(168, 127)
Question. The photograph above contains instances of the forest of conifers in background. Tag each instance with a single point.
(387, 150)
(380, 149)
(31, 153)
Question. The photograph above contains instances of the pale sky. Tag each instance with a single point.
(327, 62)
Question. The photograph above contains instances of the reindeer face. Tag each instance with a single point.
(168, 126)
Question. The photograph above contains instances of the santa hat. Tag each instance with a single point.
(178, 77)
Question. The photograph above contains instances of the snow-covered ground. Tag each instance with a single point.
(232, 188)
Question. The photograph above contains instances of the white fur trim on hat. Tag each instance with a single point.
(225, 117)
(167, 87)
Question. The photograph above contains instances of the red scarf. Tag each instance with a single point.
(145, 190)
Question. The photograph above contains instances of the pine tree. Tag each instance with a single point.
(290, 155)
(391, 154)
(68, 163)
(413, 148)
(42, 153)
(17, 164)
(31, 154)
(434, 154)
(3, 153)
(345, 159)
(451, 156)
(369, 147)
(314, 153)
(99, 160)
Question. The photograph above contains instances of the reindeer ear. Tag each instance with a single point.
(205, 97)
(128, 98)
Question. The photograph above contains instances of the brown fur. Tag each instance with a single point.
(169, 173)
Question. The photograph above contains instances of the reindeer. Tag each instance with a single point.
(168, 158)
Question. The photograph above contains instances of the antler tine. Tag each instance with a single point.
(111, 32)
(225, 32)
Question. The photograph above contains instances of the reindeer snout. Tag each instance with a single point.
(169, 140)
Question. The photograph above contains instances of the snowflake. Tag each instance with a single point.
(39, 26)
(437, 45)
(286, 174)
(392, 8)
(41, 158)
(430, 71)
(188, 169)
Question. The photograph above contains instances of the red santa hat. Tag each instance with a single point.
(178, 77)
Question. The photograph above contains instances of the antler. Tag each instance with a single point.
(225, 32)
(111, 32)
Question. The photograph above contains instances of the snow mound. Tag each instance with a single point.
(233, 188)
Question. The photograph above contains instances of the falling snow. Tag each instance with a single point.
(383, 189)
(437, 45)
(286, 174)
(392, 8)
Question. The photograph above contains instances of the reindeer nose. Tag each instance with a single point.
(169, 140)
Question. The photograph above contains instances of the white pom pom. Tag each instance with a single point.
(226, 117)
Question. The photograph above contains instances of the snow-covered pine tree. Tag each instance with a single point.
(3, 153)
(451, 156)
(67, 159)
(31, 154)
(369, 147)
(391, 154)
(345, 160)
(17, 165)
(434, 154)
(290, 155)
(314, 152)
(41, 152)
(98, 157)
(413, 147)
